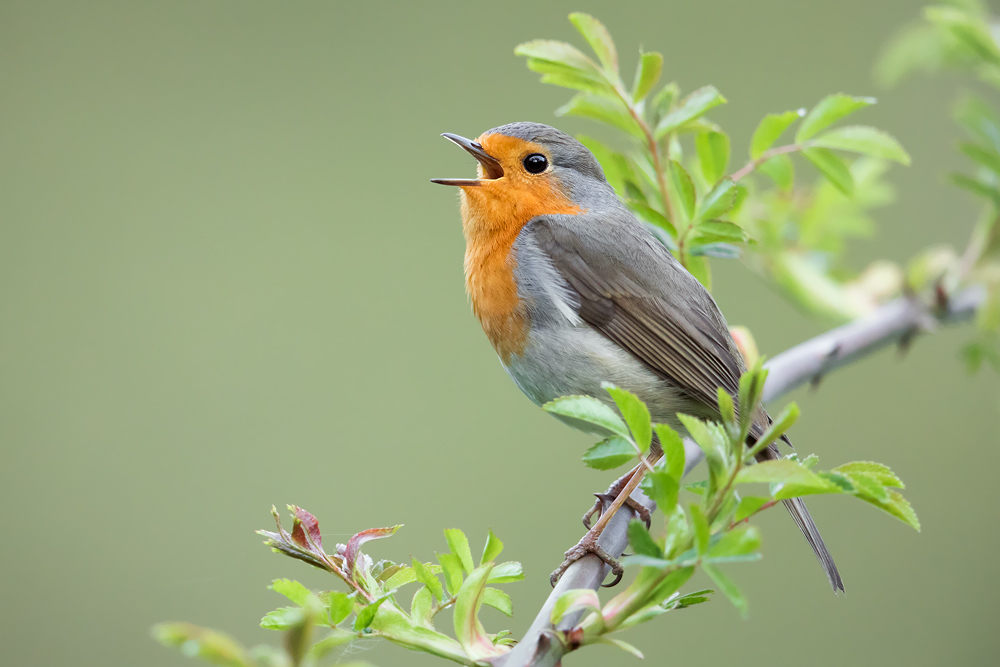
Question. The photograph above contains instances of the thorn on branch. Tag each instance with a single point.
(941, 298)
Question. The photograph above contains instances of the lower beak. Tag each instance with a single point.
(491, 166)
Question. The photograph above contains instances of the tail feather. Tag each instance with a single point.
(797, 508)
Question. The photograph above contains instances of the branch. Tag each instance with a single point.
(896, 321)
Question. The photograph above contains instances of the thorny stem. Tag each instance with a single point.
(764, 157)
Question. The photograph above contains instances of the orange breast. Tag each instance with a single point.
(492, 216)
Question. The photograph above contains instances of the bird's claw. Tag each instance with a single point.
(588, 545)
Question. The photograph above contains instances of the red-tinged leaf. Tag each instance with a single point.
(354, 544)
(305, 529)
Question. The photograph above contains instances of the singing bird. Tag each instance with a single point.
(573, 291)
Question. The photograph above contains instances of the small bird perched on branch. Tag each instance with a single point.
(573, 291)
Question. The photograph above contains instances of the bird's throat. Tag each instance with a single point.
(492, 217)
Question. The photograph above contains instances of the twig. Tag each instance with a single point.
(801, 364)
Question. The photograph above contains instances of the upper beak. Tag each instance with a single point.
(491, 166)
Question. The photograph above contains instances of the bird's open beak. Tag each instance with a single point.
(491, 166)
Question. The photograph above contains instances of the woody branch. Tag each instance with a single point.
(896, 322)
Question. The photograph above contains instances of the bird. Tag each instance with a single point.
(574, 292)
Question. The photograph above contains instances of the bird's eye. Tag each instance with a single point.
(536, 163)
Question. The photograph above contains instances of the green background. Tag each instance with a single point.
(225, 282)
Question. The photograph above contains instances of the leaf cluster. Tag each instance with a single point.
(674, 173)
(704, 524)
(960, 36)
(372, 607)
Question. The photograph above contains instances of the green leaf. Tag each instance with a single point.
(865, 140)
(367, 613)
(689, 599)
(795, 479)
(778, 427)
(863, 485)
(713, 154)
(714, 248)
(705, 437)
(558, 74)
(832, 167)
(341, 606)
(662, 101)
(459, 545)
(718, 200)
(678, 531)
(294, 591)
(726, 585)
(883, 474)
(727, 410)
(780, 169)
(422, 608)
(506, 572)
(681, 189)
(898, 506)
(691, 107)
(404, 575)
(322, 648)
(211, 646)
(979, 120)
(984, 156)
(673, 450)
(739, 541)
(425, 577)
(599, 39)
(640, 539)
(748, 507)
(647, 73)
(492, 549)
(988, 192)
(452, 567)
(653, 217)
(590, 410)
(609, 454)
(720, 231)
(579, 598)
(281, 618)
(623, 645)
(608, 110)
(662, 488)
(700, 524)
(636, 415)
(971, 30)
(499, 600)
(468, 630)
(828, 111)
(556, 52)
(769, 129)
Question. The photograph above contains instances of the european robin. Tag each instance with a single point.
(573, 291)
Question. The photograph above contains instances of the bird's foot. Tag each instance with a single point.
(606, 498)
(588, 545)
(603, 499)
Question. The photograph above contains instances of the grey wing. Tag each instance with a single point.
(649, 305)
(644, 301)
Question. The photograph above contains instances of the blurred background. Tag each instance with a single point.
(225, 282)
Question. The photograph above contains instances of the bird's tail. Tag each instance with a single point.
(797, 508)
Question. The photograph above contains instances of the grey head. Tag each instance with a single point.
(572, 165)
(578, 171)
